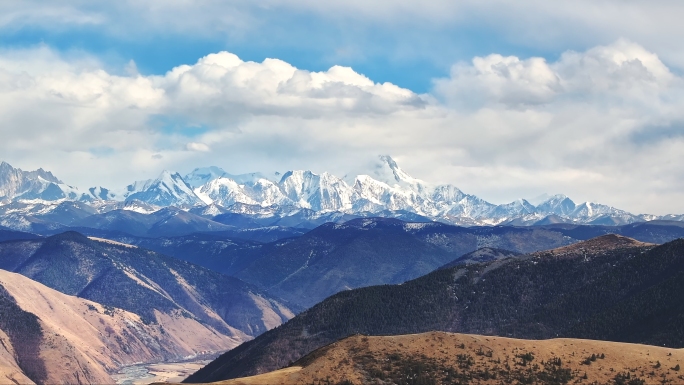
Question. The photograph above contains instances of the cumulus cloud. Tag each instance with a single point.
(602, 124)
(55, 108)
(615, 70)
(607, 114)
(220, 88)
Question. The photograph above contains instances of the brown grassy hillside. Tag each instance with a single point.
(447, 358)
(52, 338)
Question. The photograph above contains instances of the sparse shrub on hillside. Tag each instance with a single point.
(25, 334)
(525, 358)
(626, 378)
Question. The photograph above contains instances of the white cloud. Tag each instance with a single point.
(61, 111)
(221, 88)
(200, 147)
(605, 124)
(622, 69)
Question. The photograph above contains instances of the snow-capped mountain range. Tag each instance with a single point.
(391, 192)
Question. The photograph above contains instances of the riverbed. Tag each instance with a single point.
(173, 372)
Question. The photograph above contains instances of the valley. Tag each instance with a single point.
(168, 372)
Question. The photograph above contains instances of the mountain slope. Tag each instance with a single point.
(143, 282)
(39, 184)
(587, 291)
(333, 258)
(485, 254)
(446, 358)
(169, 221)
(169, 189)
(50, 337)
(373, 251)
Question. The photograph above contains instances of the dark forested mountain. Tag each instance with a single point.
(165, 222)
(307, 267)
(371, 251)
(608, 288)
(149, 284)
(364, 252)
(333, 257)
(6, 235)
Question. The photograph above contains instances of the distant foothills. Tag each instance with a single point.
(299, 199)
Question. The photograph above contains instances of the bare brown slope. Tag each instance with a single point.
(81, 341)
(440, 358)
(597, 246)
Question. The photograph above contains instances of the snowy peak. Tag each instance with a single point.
(139, 207)
(399, 174)
(558, 204)
(169, 189)
(447, 194)
(324, 192)
(389, 190)
(33, 185)
(101, 193)
(224, 192)
(203, 175)
(389, 172)
(249, 178)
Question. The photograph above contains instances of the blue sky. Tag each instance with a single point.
(505, 99)
(409, 56)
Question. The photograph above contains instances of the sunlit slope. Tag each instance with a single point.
(609, 288)
(445, 358)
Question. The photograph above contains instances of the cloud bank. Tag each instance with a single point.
(603, 124)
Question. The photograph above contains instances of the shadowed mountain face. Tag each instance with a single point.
(365, 252)
(7, 235)
(143, 282)
(165, 222)
(25, 335)
(611, 288)
(306, 269)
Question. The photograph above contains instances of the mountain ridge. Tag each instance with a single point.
(149, 284)
(394, 191)
(631, 294)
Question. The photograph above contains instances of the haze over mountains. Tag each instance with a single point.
(299, 198)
